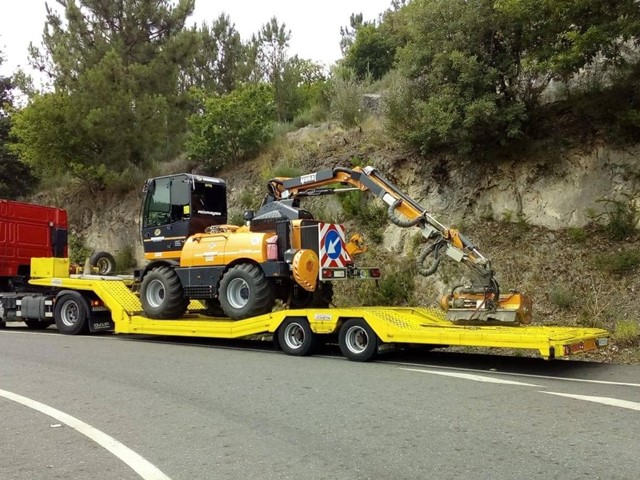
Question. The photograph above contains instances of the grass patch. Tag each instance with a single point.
(577, 235)
(618, 262)
(627, 333)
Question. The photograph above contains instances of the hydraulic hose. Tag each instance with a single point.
(434, 249)
(396, 220)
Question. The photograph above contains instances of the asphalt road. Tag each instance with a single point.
(215, 410)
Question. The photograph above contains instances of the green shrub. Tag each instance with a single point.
(312, 116)
(346, 100)
(372, 218)
(78, 251)
(126, 259)
(247, 199)
(280, 129)
(562, 298)
(627, 333)
(285, 170)
(393, 289)
(236, 218)
(618, 262)
(621, 218)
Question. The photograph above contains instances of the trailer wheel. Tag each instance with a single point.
(358, 341)
(71, 314)
(33, 324)
(245, 292)
(161, 294)
(296, 338)
(104, 262)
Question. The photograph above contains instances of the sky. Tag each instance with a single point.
(315, 26)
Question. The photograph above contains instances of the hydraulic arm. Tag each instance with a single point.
(482, 301)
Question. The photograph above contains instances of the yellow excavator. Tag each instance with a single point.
(282, 252)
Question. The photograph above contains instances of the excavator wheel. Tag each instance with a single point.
(321, 298)
(161, 294)
(245, 292)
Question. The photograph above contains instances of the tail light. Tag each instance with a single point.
(272, 248)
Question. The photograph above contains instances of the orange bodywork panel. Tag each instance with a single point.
(208, 249)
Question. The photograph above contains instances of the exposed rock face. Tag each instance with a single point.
(553, 192)
(559, 192)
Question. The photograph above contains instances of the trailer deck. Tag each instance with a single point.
(392, 325)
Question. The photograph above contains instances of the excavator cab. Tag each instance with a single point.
(176, 207)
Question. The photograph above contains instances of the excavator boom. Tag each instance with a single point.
(482, 301)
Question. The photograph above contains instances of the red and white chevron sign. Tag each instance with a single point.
(333, 253)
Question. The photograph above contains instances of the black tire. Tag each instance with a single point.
(104, 262)
(161, 294)
(358, 341)
(71, 314)
(296, 338)
(245, 292)
(213, 308)
(321, 298)
(33, 324)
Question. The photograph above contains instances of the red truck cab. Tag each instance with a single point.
(28, 231)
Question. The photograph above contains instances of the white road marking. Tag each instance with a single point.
(529, 375)
(140, 465)
(468, 376)
(614, 402)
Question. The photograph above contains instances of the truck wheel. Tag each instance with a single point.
(321, 298)
(358, 341)
(245, 292)
(71, 314)
(37, 324)
(104, 262)
(295, 337)
(161, 294)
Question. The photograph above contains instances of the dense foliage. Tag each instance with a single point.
(130, 82)
(15, 177)
(471, 74)
(231, 126)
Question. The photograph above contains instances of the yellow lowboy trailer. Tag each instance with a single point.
(93, 303)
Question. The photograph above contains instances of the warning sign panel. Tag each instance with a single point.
(333, 253)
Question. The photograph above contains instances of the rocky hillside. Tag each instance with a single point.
(554, 223)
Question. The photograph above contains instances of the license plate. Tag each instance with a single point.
(603, 342)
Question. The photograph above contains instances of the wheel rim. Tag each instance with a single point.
(103, 266)
(70, 313)
(238, 293)
(155, 293)
(357, 339)
(294, 336)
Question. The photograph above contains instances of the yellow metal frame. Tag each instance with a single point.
(392, 325)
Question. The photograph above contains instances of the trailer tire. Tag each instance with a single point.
(161, 294)
(104, 262)
(358, 341)
(245, 292)
(71, 314)
(296, 338)
(33, 324)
